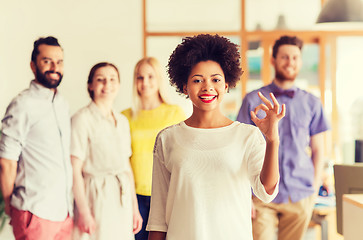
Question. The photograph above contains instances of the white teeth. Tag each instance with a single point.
(207, 98)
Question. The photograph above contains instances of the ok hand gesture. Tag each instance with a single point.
(269, 125)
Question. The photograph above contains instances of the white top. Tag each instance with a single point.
(202, 181)
(104, 147)
(36, 133)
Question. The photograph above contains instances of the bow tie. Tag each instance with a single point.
(288, 93)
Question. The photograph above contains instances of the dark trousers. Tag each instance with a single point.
(144, 208)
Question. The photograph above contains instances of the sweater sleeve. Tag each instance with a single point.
(159, 192)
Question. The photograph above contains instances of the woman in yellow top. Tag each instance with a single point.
(149, 114)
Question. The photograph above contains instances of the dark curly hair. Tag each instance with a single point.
(286, 40)
(51, 41)
(200, 48)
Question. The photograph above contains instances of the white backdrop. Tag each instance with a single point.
(89, 31)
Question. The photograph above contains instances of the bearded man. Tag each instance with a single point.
(300, 151)
(35, 165)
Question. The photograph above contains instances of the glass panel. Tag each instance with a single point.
(191, 15)
(349, 94)
(232, 102)
(233, 99)
(330, 146)
(281, 14)
(254, 56)
(162, 48)
(309, 73)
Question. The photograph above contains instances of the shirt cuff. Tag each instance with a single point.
(9, 148)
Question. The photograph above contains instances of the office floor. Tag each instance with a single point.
(311, 234)
(7, 234)
(314, 234)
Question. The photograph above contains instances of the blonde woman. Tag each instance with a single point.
(103, 185)
(149, 114)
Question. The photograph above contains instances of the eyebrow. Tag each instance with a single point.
(51, 59)
(213, 75)
(217, 74)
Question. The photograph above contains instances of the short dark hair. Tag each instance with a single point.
(52, 41)
(200, 48)
(92, 74)
(289, 40)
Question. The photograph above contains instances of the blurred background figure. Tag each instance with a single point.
(150, 113)
(301, 147)
(103, 188)
(35, 167)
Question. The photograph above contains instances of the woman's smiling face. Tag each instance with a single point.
(105, 84)
(206, 85)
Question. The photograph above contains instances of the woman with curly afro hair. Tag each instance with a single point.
(205, 166)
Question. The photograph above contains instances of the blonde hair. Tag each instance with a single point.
(163, 91)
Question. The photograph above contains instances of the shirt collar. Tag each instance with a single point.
(97, 111)
(42, 91)
(274, 87)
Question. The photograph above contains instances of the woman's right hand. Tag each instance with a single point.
(86, 223)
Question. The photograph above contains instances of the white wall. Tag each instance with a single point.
(89, 31)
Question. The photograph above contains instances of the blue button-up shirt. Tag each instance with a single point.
(304, 118)
(36, 133)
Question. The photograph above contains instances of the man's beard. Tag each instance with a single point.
(48, 83)
(281, 77)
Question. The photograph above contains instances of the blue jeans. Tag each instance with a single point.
(144, 208)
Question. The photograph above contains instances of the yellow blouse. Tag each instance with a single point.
(144, 129)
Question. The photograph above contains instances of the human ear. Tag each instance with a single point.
(33, 67)
(185, 91)
(89, 86)
(272, 60)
